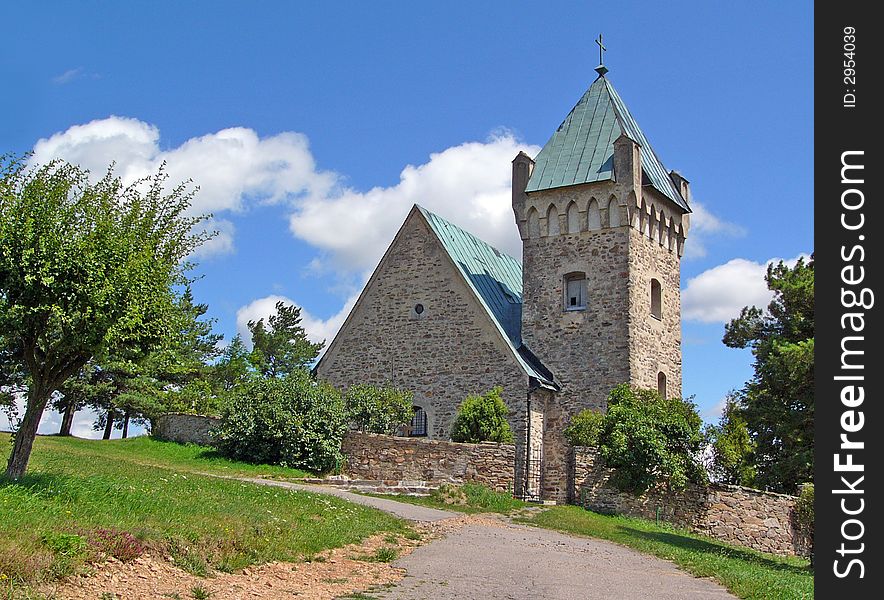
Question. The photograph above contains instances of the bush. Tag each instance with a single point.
(482, 419)
(372, 409)
(648, 440)
(732, 448)
(584, 428)
(804, 514)
(293, 421)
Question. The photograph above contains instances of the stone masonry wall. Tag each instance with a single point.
(654, 344)
(587, 350)
(448, 351)
(184, 429)
(383, 457)
(736, 515)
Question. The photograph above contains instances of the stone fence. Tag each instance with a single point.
(384, 457)
(736, 515)
(183, 428)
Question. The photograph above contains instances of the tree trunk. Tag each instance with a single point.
(109, 425)
(67, 419)
(27, 431)
(126, 424)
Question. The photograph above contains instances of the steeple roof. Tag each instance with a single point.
(582, 149)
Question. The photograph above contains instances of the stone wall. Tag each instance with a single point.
(449, 350)
(736, 515)
(184, 429)
(384, 457)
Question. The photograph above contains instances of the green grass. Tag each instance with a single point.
(478, 499)
(140, 493)
(746, 573)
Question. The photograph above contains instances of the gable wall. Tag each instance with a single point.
(448, 352)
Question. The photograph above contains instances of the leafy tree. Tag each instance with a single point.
(482, 418)
(74, 394)
(85, 268)
(650, 440)
(372, 409)
(280, 347)
(584, 428)
(732, 448)
(777, 403)
(291, 421)
(232, 368)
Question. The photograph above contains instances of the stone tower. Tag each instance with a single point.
(603, 226)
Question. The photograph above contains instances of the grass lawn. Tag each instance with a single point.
(746, 573)
(80, 496)
(477, 498)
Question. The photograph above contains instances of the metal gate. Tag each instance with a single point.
(533, 473)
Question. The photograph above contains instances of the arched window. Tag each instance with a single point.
(656, 299)
(552, 221)
(593, 216)
(573, 218)
(418, 423)
(661, 384)
(575, 291)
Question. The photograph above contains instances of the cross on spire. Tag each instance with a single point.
(601, 69)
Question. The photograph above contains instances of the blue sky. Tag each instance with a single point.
(312, 127)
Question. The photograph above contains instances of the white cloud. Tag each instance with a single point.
(714, 412)
(718, 294)
(232, 167)
(469, 184)
(705, 225)
(317, 329)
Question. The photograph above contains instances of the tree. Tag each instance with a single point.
(482, 418)
(372, 409)
(232, 368)
(281, 347)
(74, 395)
(650, 440)
(777, 403)
(732, 447)
(85, 268)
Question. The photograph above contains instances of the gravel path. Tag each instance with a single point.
(502, 561)
(517, 562)
(412, 512)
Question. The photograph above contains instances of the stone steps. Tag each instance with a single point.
(378, 486)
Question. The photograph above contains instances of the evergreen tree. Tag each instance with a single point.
(281, 347)
(777, 403)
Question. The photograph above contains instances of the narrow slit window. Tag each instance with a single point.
(575, 291)
(661, 384)
(656, 299)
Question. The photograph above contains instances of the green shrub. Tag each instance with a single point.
(584, 428)
(293, 421)
(804, 514)
(372, 409)
(482, 419)
(648, 440)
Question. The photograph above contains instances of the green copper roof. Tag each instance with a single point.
(582, 148)
(496, 279)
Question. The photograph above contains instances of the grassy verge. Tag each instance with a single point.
(746, 573)
(86, 499)
(468, 498)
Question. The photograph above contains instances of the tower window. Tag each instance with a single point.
(661, 384)
(656, 299)
(575, 291)
(418, 423)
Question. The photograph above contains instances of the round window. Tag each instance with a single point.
(418, 309)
